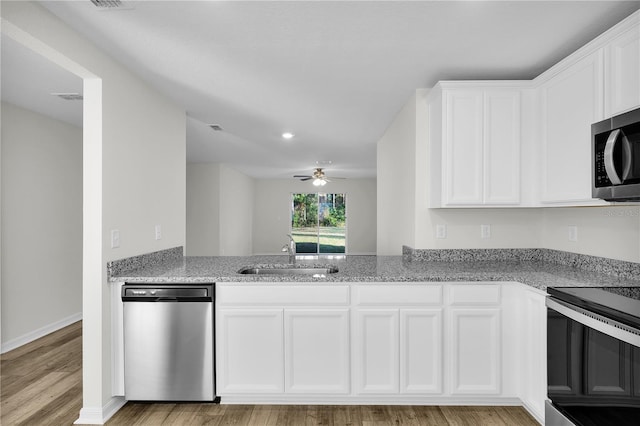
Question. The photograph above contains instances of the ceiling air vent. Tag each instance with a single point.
(216, 127)
(111, 4)
(69, 96)
(107, 3)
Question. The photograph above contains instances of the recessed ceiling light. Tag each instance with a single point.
(288, 135)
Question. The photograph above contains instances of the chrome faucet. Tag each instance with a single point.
(291, 249)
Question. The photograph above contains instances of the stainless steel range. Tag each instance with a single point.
(593, 356)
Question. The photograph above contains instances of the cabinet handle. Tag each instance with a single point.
(609, 165)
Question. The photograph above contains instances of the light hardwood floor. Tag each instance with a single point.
(41, 384)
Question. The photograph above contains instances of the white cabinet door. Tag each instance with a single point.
(475, 351)
(622, 72)
(534, 365)
(377, 351)
(571, 101)
(249, 356)
(420, 351)
(317, 350)
(399, 351)
(501, 137)
(463, 147)
(480, 146)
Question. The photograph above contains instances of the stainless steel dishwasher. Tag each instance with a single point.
(168, 342)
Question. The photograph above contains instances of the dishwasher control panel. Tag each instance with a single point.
(185, 293)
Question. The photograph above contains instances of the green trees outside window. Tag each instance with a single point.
(319, 223)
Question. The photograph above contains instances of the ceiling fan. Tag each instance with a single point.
(318, 176)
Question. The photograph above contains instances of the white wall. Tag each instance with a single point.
(612, 232)
(236, 212)
(203, 209)
(133, 173)
(272, 213)
(396, 153)
(219, 211)
(41, 224)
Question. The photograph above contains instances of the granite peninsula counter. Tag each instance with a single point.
(538, 273)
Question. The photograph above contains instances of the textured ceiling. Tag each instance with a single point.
(334, 73)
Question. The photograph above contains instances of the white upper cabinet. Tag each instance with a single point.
(528, 143)
(462, 147)
(622, 71)
(501, 156)
(571, 101)
(598, 81)
(474, 145)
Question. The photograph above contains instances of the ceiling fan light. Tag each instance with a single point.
(287, 135)
(319, 182)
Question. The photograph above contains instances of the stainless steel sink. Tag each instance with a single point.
(314, 271)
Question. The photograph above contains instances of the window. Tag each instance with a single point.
(319, 223)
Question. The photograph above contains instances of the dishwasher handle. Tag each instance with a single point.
(167, 294)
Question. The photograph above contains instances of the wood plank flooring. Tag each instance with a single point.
(41, 384)
(307, 415)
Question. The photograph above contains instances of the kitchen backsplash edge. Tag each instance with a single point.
(118, 267)
(586, 262)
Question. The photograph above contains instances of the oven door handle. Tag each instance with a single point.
(597, 322)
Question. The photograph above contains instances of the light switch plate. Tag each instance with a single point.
(573, 233)
(115, 238)
(485, 231)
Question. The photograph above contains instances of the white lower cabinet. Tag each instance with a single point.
(249, 349)
(533, 389)
(475, 350)
(282, 339)
(399, 351)
(453, 343)
(282, 350)
(316, 348)
(474, 335)
(421, 351)
(377, 351)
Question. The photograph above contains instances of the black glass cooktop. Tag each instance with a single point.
(621, 304)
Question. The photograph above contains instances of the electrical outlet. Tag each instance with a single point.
(158, 232)
(485, 231)
(573, 233)
(115, 238)
(441, 231)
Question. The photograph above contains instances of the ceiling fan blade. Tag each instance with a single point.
(306, 178)
(333, 177)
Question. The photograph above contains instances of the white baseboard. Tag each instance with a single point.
(41, 332)
(538, 416)
(99, 416)
(367, 400)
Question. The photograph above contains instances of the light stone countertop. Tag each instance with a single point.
(372, 269)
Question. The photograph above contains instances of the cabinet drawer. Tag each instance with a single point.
(474, 294)
(282, 295)
(398, 294)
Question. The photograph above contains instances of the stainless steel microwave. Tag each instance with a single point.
(616, 157)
